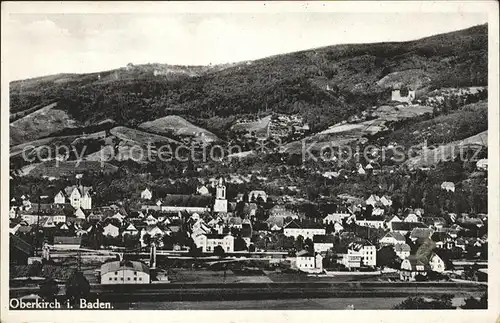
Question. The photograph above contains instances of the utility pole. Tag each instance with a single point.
(35, 244)
(79, 261)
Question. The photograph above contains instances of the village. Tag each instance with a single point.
(360, 237)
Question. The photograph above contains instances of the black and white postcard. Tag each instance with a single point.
(195, 160)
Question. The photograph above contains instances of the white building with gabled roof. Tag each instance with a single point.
(146, 194)
(130, 229)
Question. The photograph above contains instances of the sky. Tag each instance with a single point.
(44, 44)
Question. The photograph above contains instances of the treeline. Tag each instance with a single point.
(291, 83)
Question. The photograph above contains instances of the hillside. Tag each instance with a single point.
(178, 127)
(39, 124)
(324, 85)
(465, 122)
(441, 153)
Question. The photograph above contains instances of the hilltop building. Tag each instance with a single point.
(398, 97)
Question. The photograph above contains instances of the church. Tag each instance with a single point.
(220, 205)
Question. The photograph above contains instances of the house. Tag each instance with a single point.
(151, 220)
(361, 170)
(208, 242)
(276, 223)
(124, 272)
(482, 164)
(402, 250)
(386, 201)
(351, 260)
(13, 227)
(280, 210)
(118, 216)
(78, 196)
(203, 190)
(459, 243)
(337, 227)
(377, 211)
(405, 227)
(322, 243)
(111, 231)
(421, 234)
(67, 242)
(436, 263)
(411, 218)
(59, 218)
(13, 212)
(371, 222)
(130, 229)
(94, 217)
(434, 222)
(79, 214)
(304, 229)
(442, 240)
(253, 196)
(392, 220)
(413, 266)
(60, 198)
(309, 262)
(373, 200)
(392, 238)
(366, 250)
(146, 194)
(448, 186)
(152, 231)
(336, 217)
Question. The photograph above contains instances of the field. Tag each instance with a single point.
(36, 144)
(179, 127)
(66, 168)
(139, 137)
(345, 133)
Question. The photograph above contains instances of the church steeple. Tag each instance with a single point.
(220, 205)
(220, 190)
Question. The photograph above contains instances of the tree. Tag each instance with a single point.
(219, 251)
(146, 239)
(130, 241)
(194, 251)
(251, 248)
(49, 289)
(386, 257)
(473, 303)
(77, 288)
(240, 244)
(309, 245)
(168, 242)
(416, 303)
(299, 242)
(35, 269)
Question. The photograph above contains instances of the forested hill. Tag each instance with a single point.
(325, 85)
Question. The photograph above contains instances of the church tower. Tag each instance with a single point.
(220, 205)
